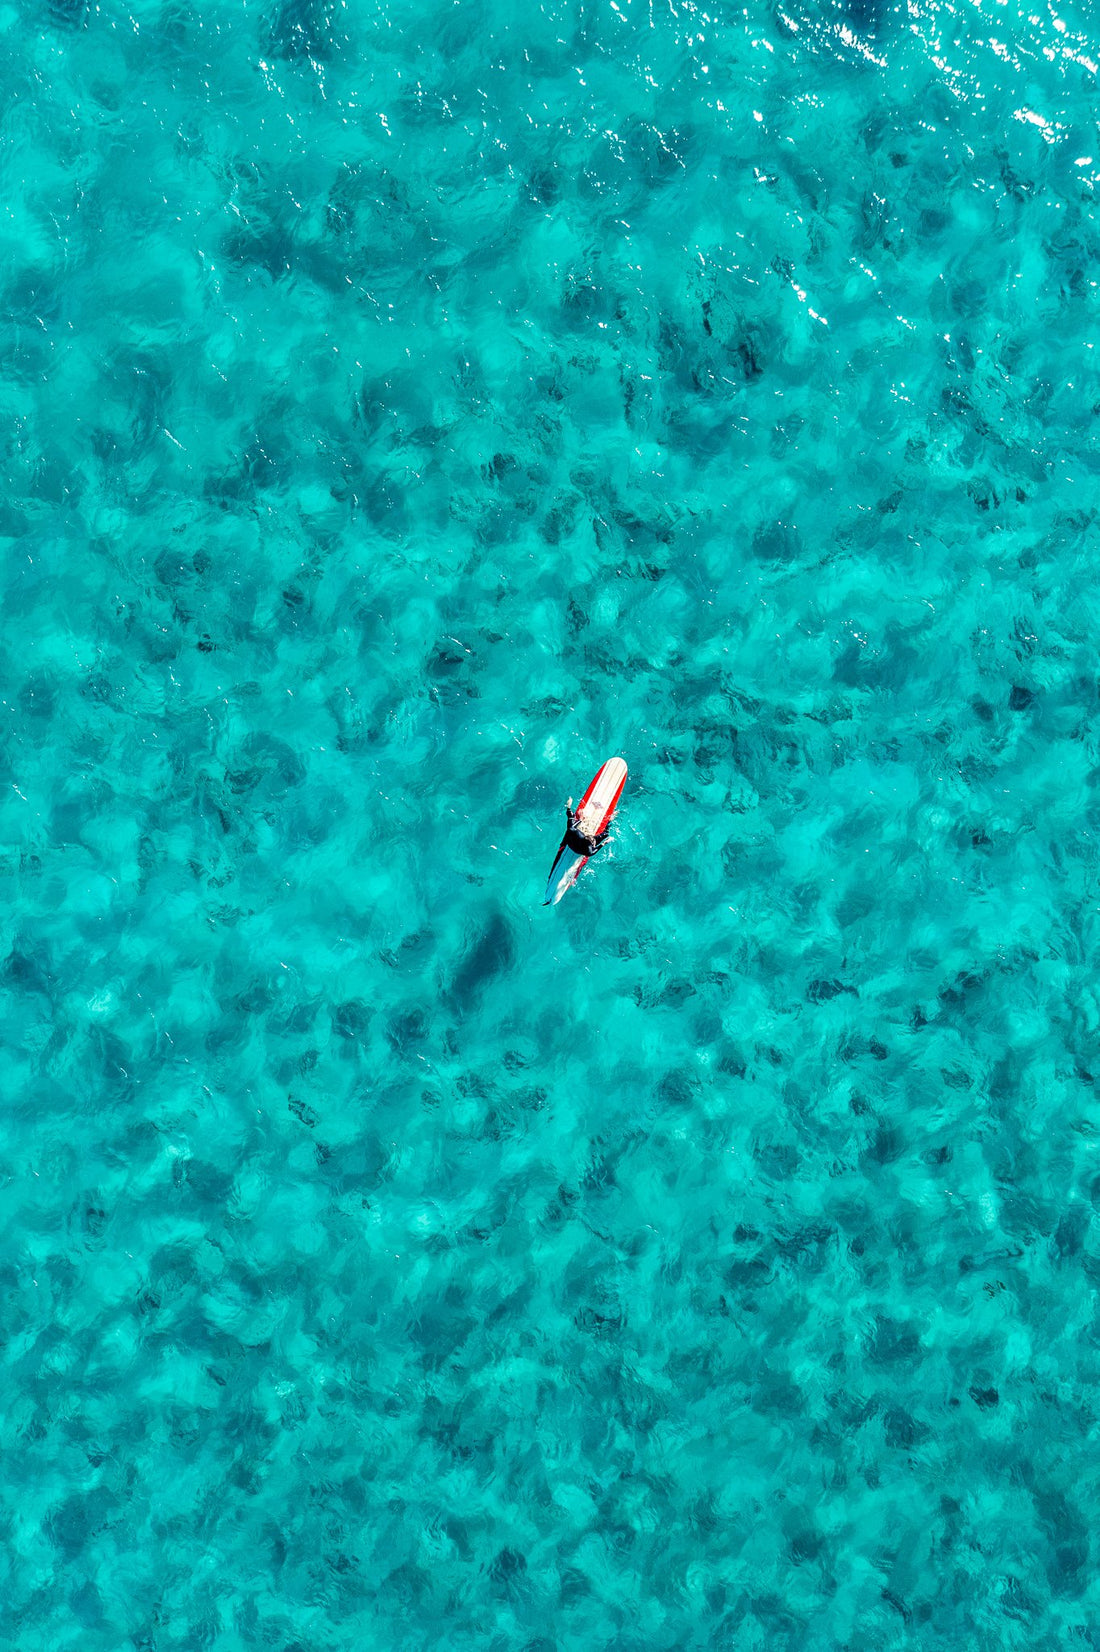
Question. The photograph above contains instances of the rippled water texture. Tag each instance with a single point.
(404, 410)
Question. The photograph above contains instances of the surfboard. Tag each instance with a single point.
(595, 811)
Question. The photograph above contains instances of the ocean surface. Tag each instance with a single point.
(404, 409)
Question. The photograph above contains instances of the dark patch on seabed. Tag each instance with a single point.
(489, 954)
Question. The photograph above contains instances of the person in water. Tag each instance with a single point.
(576, 838)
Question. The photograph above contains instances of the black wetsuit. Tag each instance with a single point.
(576, 840)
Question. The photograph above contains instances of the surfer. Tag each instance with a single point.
(576, 838)
(586, 828)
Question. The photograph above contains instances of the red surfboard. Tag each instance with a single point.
(594, 813)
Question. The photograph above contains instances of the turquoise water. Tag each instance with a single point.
(404, 410)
